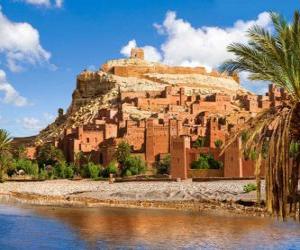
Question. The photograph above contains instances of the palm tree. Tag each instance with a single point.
(5, 143)
(274, 57)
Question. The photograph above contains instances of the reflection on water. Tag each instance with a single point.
(78, 228)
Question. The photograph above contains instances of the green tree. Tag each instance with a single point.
(133, 165)
(274, 57)
(49, 155)
(123, 152)
(218, 143)
(5, 156)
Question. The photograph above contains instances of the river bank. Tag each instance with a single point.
(212, 196)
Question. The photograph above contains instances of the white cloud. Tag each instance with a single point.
(187, 45)
(151, 53)
(20, 43)
(45, 3)
(31, 123)
(11, 96)
(204, 45)
(59, 3)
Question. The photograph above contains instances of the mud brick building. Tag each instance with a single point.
(158, 110)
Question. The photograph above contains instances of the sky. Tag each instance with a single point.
(44, 44)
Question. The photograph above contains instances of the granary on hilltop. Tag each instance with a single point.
(158, 110)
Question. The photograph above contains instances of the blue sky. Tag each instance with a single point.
(46, 43)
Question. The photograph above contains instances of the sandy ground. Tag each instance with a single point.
(156, 191)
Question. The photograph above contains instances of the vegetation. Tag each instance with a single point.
(163, 166)
(112, 168)
(5, 156)
(49, 155)
(274, 57)
(133, 165)
(218, 143)
(200, 142)
(123, 152)
(93, 170)
(249, 187)
(206, 162)
(29, 167)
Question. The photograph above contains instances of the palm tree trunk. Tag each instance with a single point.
(258, 180)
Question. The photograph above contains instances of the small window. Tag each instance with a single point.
(88, 140)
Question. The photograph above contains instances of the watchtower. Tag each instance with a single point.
(137, 53)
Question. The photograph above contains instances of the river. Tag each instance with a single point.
(110, 228)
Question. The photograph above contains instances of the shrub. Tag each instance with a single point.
(49, 155)
(218, 143)
(59, 170)
(122, 152)
(127, 173)
(163, 166)
(110, 169)
(68, 172)
(200, 142)
(249, 187)
(29, 167)
(201, 163)
(134, 164)
(206, 162)
(214, 164)
(93, 170)
(43, 175)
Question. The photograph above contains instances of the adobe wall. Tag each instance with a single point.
(31, 152)
(204, 173)
(233, 160)
(179, 166)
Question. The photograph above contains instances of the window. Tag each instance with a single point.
(88, 140)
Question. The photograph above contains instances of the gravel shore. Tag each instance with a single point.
(148, 191)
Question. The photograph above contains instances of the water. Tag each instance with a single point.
(111, 228)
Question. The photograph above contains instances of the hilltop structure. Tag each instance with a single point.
(158, 110)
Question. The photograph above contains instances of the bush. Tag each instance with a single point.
(163, 166)
(59, 170)
(43, 175)
(201, 163)
(68, 172)
(29, 167)
(218, 143)
(249, 187)
(93, 170)
(127, 173)
(135, 165)
(206, 162)
(110, 169)
(122, 152)
(200, 142)
(49, 155)
(214, 164)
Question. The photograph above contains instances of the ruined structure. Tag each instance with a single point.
(159, 110)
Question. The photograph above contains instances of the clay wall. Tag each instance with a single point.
(31, 152)
(179, 166)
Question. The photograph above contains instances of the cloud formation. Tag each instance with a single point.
(11, 96)
(34, 124)
(151, 53)
(186, 45)
(20, 43)
(45, 3)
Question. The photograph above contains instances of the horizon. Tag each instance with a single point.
(46, 44)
